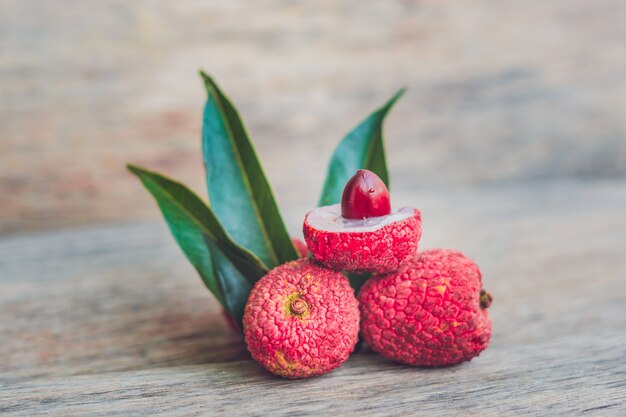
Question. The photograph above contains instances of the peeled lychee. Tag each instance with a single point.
(367, 240)
(432, 312)
(301, 320)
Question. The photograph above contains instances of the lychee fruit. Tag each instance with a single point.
(301, 320)
(363, 234)
(431, 312)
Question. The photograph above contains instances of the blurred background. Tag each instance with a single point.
(500, 92)
(511, 140)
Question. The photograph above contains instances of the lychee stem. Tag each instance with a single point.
(365, 195)
(485, 299)
(298, 307)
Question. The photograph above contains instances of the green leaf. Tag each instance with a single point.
(239, 193)
(234, 285)
(193, 224)
(362, 148)
(357, 280)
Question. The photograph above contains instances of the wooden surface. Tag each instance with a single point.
(113, 321)
(511, 140)
(499, 90)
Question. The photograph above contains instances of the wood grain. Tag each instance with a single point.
(112, 320)
(499, 90)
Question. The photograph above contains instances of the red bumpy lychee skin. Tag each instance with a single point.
(365, 195)
(301, 320)
(303, 251)
(378, 250)
(432, 312)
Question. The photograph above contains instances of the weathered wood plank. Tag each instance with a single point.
(112, 320)
(566, 378)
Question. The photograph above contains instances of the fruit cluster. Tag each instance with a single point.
(422, 309)
(299, 314)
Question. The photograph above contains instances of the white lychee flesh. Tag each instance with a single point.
(329, 219)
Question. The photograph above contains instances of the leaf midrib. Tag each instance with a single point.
(246, 180)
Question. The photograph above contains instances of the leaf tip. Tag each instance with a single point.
(394, 99)
(133, 168)
(203, 74)
(209, 83)
(401, 92)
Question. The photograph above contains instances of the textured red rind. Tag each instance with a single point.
(313, 343)
(427, 313)
(303, 251)
(380, 251)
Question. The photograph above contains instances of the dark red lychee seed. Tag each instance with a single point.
(365, 195)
